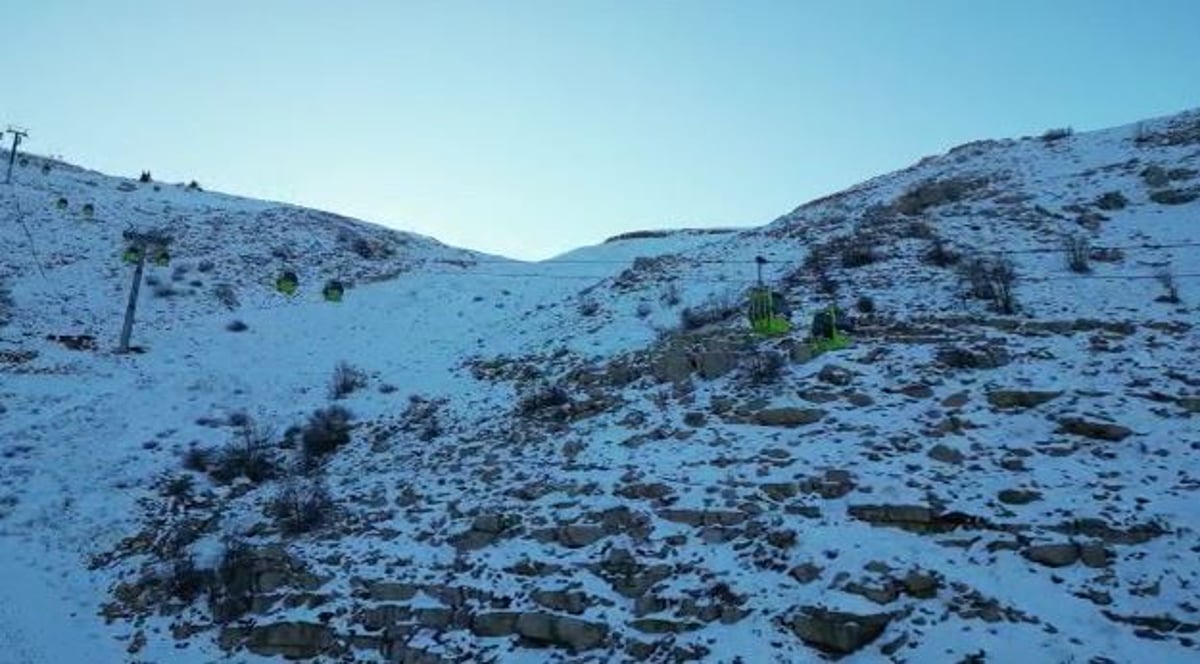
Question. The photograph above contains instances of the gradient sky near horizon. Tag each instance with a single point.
(529, 127)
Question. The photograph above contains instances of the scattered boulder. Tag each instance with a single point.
(1095, 430)
(572, 633)
(1095, 555)
(1022, 399)
(1018, 496)
(496, 623)
(946, 454)
(572, 602)
(291, 640)
(576, 536)
(788, 416)
(838, 632)
(1053, 555)
(805, 573)
(835, 375)
(920, 585)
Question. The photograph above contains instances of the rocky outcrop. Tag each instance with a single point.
(1022, 399)
(788, 416)
(291, 640)
(1094, 430)
(838, 632)
(572, 633)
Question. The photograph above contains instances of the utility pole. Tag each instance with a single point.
(140, 244)
(17, 135)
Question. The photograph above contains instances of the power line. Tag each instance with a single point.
(735, 280)
(752, 261)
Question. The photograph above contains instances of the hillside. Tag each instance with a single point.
(592, 458)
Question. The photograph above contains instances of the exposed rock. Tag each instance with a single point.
(576, 536)
(651, 491)
(392, 592)
(835, 375)
(986, 357)
(1095, 555)
(573, 602)
(716, 363)
(1053, 555)
(817, 396)
(573, 633)
(916, 391)
(383, 616)
(919, 585)
(956, 400)
(879, 594)
(496, 623)
(1095, 430)
(697, 518)
(892, 513)
(292, 640)
(673, 365)
(1190, 404)
(779, 491)
(788, 416)
(1018, 496)
(838, 632)
(805, 573)
(859, 400)
(946, 454)
(1006, 399)
(660, 626)
(694, 418)
(833, 484)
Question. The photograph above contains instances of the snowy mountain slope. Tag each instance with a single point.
(574, 480)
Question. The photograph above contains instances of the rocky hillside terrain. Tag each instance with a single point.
(594, 458)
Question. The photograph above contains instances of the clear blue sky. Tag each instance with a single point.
(528, 127)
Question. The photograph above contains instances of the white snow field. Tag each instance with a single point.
(594, 458)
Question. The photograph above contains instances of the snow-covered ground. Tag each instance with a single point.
(542, 466)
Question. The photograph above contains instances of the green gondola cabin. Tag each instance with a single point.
(333, 291)
(764, 314)
(287, 283)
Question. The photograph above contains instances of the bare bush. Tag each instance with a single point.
(1170, 287)
(327, 430)
(766, 368)
(184, 581)
(858, 250)
(1112, 200)
(1057, 134)
(716, 310)
(1175, 196)
(300, 508)
(232, 583)
(248, 455)
(933, 193)
(991, 279)
(1077, 250)
(816, 262)
(226, 294)
(543, 397)
(7, 306)
(199, 459)
(588, 307)
(346, 379)
(941, 254)
(670, 295)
